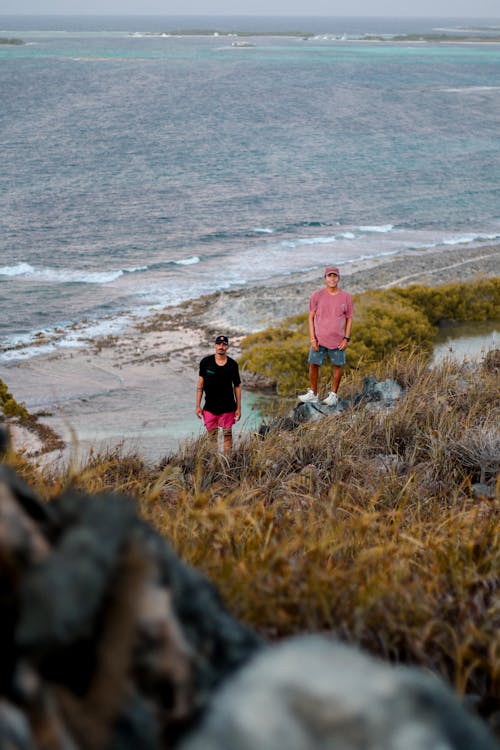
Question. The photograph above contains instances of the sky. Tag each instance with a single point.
(397, 8)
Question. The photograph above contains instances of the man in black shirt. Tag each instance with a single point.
(220, 381)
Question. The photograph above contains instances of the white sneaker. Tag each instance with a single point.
(331, 400)
(309, 398)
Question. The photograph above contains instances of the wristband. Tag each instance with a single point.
(347, 338)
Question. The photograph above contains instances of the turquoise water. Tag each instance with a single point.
(141, 170)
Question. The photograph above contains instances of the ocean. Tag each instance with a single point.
(141, 167)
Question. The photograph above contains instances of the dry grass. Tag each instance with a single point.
(363, 525)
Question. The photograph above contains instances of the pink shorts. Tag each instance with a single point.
(212, 421)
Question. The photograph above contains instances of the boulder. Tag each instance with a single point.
(107, 639)
(314, 412)
(483, 491)
(313, 693)
(382, 393)
(375, 395)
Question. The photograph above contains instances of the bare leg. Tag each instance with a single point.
(228, 439)
(313, 377)
(337, 375)
(213, 437)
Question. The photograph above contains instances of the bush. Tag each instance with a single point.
(479, 300)
(282, 362)
(383, 324)
(9, 405)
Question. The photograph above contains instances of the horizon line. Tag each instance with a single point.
(248, 15)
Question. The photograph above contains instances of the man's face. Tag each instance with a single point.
(331, 280)
(221, 348)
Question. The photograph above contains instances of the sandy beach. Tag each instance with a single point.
(137, 390)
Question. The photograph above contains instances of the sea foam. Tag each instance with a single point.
(19, 269)
(187, 261)
(383, 228)
(67, 275)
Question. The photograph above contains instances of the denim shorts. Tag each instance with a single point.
(337, 356)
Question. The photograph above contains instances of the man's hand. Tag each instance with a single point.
(315, 345)
(199, 412)
(237, 415)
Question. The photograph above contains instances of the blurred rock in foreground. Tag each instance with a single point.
(107, 639)
(313, 693)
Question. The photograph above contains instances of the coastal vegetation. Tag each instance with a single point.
(10, 407)
(367, 525)
(385, 321)
(18, 413)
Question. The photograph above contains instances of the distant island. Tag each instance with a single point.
(4, 40)
(441, 38)
(472, 35)
(215, 32)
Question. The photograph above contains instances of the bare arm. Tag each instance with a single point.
(237, 395)
(348, 325)
(199, 394)
(312, 333)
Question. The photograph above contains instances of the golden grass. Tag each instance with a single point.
(363, 525)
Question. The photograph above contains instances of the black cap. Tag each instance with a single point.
(222, 340)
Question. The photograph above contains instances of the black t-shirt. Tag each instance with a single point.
(218, 383)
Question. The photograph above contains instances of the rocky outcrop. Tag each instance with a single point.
(379, 394)
(375, 395)
(313, 693)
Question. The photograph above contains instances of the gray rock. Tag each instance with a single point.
(312, 693)
(375, 395)
(314, 412)
(106, 636)
(309, 413)
(303, 413)
(482, 491)
(382, 393)
(15, 733)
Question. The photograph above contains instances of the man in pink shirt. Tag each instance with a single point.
(330, 321)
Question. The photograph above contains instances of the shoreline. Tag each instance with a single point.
(137, 390)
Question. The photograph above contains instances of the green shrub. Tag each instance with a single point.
(479, 300)
(9, 405)
(283, 362)
(384, 323)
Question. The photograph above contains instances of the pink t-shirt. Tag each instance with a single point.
(331, 313)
